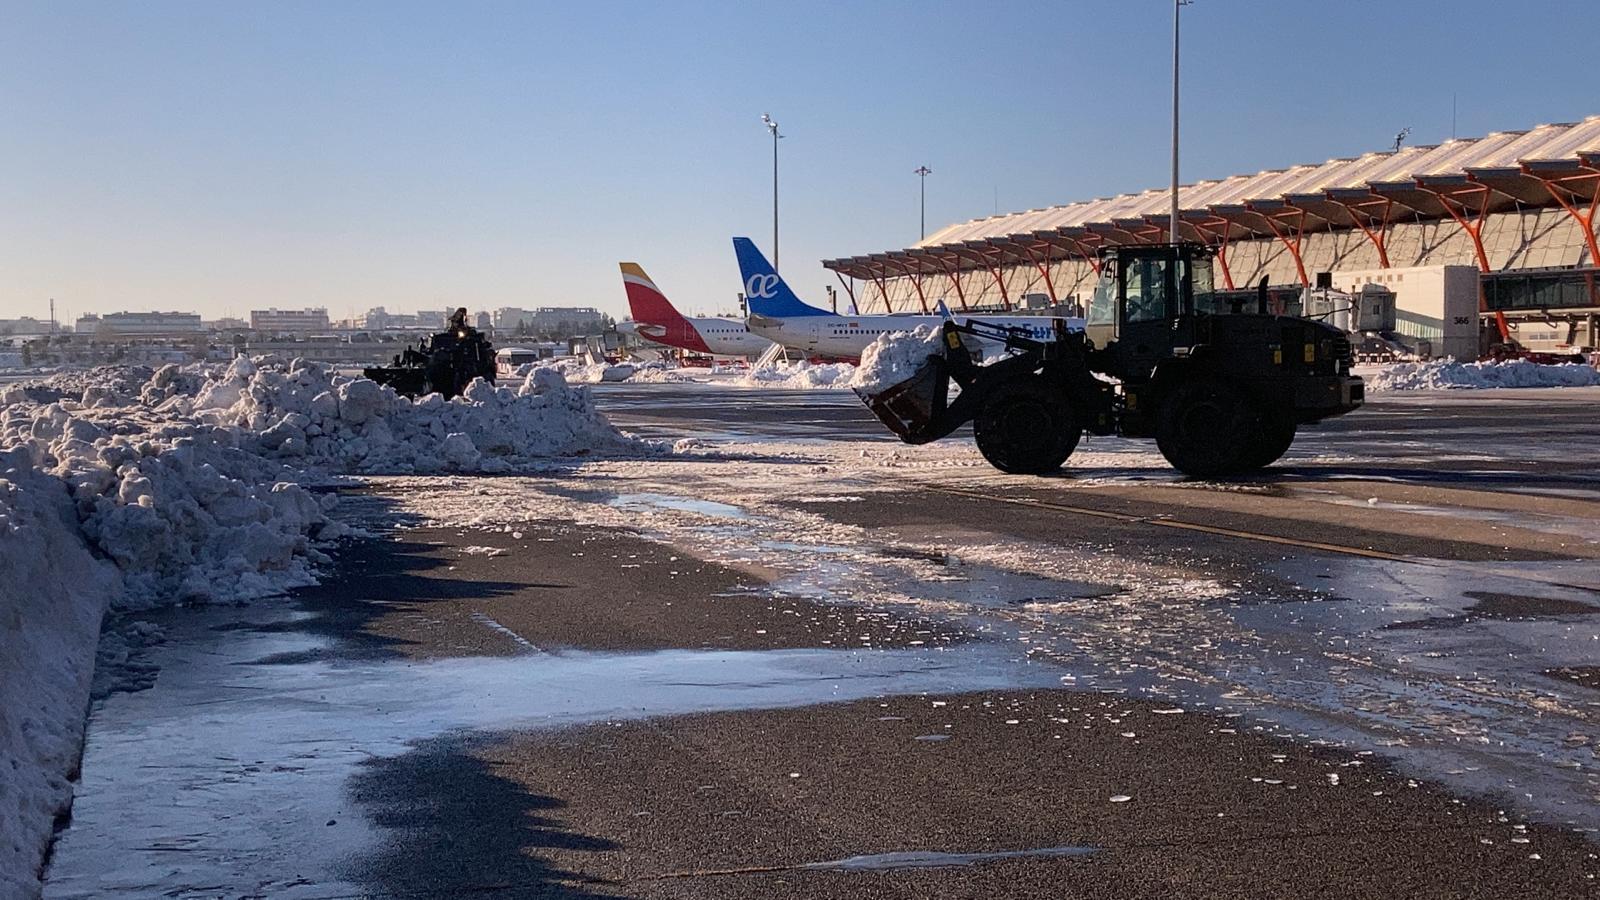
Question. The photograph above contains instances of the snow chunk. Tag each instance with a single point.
(895, 357)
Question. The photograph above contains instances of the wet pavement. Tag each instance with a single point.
(241, 772)
(1369, 672)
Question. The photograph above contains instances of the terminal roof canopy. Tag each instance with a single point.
(1548, 165)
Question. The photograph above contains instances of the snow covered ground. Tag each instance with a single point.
(1450, 703)
(123, 489)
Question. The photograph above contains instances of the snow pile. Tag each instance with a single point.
(1448, 374)
(799, 376)
(305, 414)
(188, 481)
(54, 594)
(895, 357)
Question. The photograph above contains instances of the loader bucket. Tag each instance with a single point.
(911, 408)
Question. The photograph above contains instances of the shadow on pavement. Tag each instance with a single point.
(454, 828)
(371, 577)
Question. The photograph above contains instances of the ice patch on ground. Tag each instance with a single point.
(1448, 374)
(895, 357)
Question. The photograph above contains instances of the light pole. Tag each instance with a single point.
(1172, 228)
(772, 126)
(922, 173)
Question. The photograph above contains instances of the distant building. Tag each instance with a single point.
(379, 319)
(507, 318)
(24, 325)
(136, 323)
(228, 323)
(550, 319)
(289, 321)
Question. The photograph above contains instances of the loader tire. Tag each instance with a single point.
(1207, 429)
(1273, 435)
(1026, 429)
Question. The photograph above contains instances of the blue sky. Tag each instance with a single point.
(227, 156)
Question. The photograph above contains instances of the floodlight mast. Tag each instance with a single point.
(772, 126)
(1172, 225)
(922, 172)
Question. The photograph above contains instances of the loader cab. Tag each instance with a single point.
(1145, 296)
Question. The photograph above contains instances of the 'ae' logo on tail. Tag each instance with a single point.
(761, 286)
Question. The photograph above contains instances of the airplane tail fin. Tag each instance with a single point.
(645, 300)
(765, 292)
(944, 311)
(661, 320)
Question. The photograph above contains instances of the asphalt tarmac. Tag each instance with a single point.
(560, 709)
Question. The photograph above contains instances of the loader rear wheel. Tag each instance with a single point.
(1027, 429)
(1206, 428)
(1273, 435)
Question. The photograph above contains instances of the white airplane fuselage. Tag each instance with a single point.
(719, 337)
(848, 336)
(729, 337)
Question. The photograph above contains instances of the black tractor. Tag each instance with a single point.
(443, 364)
(1222, 389)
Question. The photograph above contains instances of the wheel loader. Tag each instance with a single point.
(1220, 388)
(442, 364)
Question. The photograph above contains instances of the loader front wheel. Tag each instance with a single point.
(1026, 429)
(1272, 437)
(1207, 429)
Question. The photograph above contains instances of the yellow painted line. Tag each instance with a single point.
(1184, 526)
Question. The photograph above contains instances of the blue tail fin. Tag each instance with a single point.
(765, 293)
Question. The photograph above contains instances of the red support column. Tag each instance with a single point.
(1473, 229)
(1380, 238)
(883, 290)
(1585, 219)
(1292, 246)
(1044, 270)
(995, 269)
(848, 289)
(955, 282)
(1220, 238)
(1088, 254)
(916, 282)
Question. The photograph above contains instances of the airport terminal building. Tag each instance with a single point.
(1516, 209)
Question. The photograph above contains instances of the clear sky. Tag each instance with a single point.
(224, 156)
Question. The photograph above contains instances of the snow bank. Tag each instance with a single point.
(799, 376)
(52, 597)
(188, 479)
(895, 357)
(1448, 374)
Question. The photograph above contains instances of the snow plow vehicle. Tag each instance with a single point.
(1221, 390)
(442, 364)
